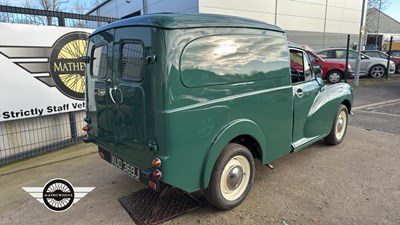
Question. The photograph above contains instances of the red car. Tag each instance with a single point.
(331, 71)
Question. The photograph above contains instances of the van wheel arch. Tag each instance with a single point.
(242, 131)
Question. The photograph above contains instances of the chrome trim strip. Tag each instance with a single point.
(303, 141)
(225, 99)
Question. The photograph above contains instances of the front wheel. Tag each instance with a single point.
(334, 76)
(377, 71)
(232, 177)
(398, 68)
(339, 126)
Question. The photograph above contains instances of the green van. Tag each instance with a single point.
(192, 100)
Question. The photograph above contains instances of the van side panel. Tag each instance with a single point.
(202, 99)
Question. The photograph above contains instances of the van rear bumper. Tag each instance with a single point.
(144, 175)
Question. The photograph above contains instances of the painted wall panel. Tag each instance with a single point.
(345, 27)
(287, 22)
(348, 4)
(318, 40)
(311, 9)
(118, 8)
(343, 14)
(156, 6)
(255, 6)
(327, 20)
(266, 17)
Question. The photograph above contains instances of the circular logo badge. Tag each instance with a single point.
(58, 195)
(66, 68)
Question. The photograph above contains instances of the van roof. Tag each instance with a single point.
(183, 21)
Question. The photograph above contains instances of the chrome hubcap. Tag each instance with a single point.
(341, 125)
(235, 177)
(334, 77)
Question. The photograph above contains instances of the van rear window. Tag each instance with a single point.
(99, 61)
(132, 60)
(227, 59)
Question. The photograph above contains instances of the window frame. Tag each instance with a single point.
(305, 55)
(101, 44)
(312, 75)
(130, 78)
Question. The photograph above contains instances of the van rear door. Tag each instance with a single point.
(118, 109)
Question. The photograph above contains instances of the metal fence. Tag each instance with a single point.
(11, 14)
(26, 137)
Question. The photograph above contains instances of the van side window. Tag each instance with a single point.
(300, 67)
(132, 60)
(307, 67)
(296, 66)
(99, 61)
(228, 59)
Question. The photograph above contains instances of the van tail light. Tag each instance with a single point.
(152, 185)
(156, 163)
(85, 128)
(157, 175)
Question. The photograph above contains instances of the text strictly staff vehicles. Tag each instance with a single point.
(193, 100)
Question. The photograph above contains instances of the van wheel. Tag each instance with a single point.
(231, 178)
(339, 126)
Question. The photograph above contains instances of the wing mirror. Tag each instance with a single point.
(317, 70)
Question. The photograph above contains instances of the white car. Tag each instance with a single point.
(374, 67)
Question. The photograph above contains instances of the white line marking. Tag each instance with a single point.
(377, 104)
(379, 113)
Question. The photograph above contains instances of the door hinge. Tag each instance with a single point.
(153, 146)
(151, 59)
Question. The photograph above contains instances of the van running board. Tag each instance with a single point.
(148, 207)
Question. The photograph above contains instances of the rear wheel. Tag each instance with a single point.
(339, 126)
(398, 68)
(377, 71)
(334, 76)
(232, 177)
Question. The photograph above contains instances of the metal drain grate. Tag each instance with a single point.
(147, 207)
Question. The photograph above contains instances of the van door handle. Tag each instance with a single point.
(112, 90)
(299, 93)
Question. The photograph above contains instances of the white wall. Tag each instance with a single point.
(330, 16)
(118, 8)
(263, 10)
(342, 16)
(183, 6)
(317, 23)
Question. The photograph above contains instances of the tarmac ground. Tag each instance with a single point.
(355, 182)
